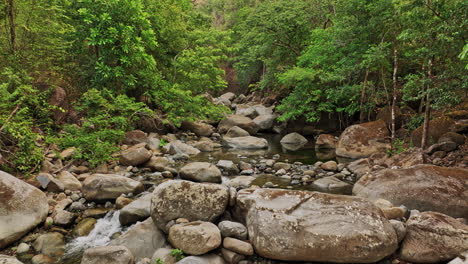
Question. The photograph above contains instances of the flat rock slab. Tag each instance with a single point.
(433, 237)
(421, 187)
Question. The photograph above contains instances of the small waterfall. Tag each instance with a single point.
(99, 236)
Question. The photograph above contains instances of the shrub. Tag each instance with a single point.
(106, 119)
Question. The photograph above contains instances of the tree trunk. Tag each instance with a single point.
(11, 20)
(427, 113)
(394, 97)
(363, 98)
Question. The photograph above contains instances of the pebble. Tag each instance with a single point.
(22, 248)
(75, 197)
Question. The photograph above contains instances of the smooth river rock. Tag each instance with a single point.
(201, 172)
(195, 238)
(22, 207)
(137, 210)
(362, 140)
(184, 199)
(421, 187)
(142, 239)
(433, 237)
(310, 226)
(108, 255)
(109, 186)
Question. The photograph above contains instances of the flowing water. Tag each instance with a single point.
(99, 236)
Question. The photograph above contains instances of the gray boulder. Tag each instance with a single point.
(195, 238)
(22, 207)
(109, 186)
(310, 226)
(142, 239)
(293, 138)
(137, 210)
(236, 131)
(184, 199)
(240, 121)
(201, 172)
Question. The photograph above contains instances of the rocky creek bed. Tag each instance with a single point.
(239, 194)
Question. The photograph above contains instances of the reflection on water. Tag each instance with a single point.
(292, 153)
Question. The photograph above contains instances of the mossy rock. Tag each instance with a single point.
(437, 128)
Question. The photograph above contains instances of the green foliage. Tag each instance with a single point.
(158, 261)
(178, 254)
(24, 113)
(180, 105)
(398, 147)
(106, 119)
(196, 67)
(162, 142)
(415, 122)
(121, 37)
(271, 36)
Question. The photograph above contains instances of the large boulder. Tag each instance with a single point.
(109, 186)
(201, 172)
(437, 128)
(108, 255)
(142, 239)
(137, 210)
(310, 226)
(195, 238)
(237, 120)
(421, 187)
(433, 238)
(199, 128)
(248, 142)
(184, 199)
(22, 207)
(135, 156)
(362, 140)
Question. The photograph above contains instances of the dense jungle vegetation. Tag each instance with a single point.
(83, 72)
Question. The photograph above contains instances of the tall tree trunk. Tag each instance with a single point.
(394, 97)
(427, 113)
(363, 98)
(11, 20)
